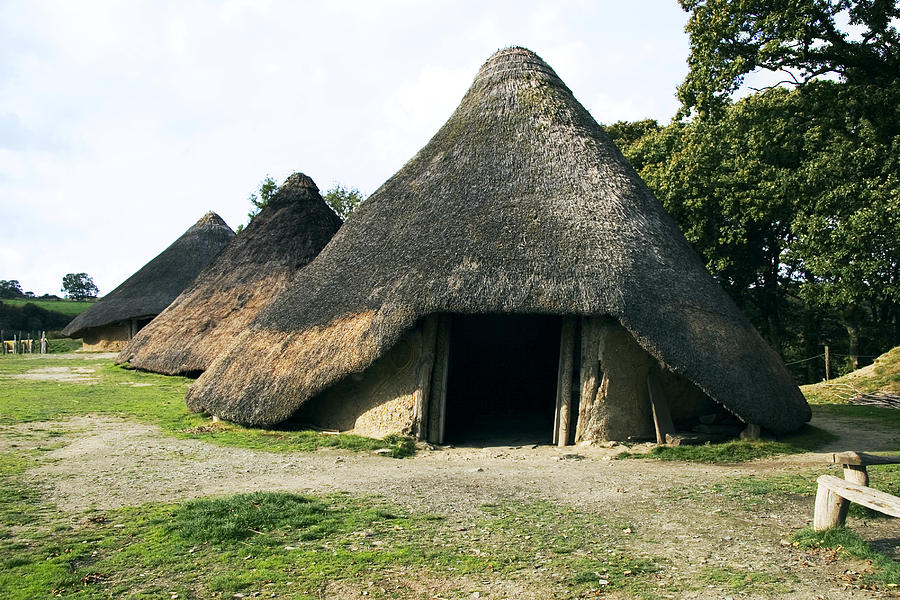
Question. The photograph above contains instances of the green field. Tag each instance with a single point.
(103, 388)
(66, 307)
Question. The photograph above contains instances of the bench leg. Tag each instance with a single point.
(831, 509)
(856, 474)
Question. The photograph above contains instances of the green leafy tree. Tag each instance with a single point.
(343, 201)
(854, 40)
(792, 197)
(260, 199)
(10, 288)
(79, 286)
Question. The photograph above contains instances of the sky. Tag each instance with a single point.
(123, 122)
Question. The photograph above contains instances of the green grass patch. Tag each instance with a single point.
(66, 307)
(60, 345)
(154, 399)
(744, 580)
(293, 546)
(271, 515)
(884, 572)
(807, 439)
(753, 493)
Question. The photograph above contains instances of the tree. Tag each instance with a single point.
(802, 39)
(260, 199)
(343, 201)
(10, 288)
(79, 286)
(792, 197)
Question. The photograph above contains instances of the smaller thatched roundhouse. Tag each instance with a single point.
(118, 316)
(515, 274)
(227, 295)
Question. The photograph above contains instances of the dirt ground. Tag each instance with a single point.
(102, 462)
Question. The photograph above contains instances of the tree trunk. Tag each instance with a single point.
(851, 319)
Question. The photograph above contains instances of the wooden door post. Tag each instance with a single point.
(564, 382)
(423, 376)
(437, 412)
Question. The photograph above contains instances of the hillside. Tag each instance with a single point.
(38, 315)
(69, 308)
(883, 376)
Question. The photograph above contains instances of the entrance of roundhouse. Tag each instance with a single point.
(502, 379)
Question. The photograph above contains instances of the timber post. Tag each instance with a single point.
(437, 411)
(564, 382)
(590, 374)
(423, 375)
(662, 416)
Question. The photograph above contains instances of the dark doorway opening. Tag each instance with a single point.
(502, 378)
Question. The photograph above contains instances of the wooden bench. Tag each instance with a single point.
(833, 495)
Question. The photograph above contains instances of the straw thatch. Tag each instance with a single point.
(156, 284)
(203, 321)
(519, 204)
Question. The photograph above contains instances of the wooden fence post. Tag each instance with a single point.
(827, 363)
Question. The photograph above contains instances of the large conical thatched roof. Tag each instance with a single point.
(203, 321)
(519, 204)
(156, 284)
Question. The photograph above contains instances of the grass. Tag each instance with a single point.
(288, 545)
(809, 438)
(873, 414)
(881, 376)
(64, 345)
(66, 307)
(755, 493)
(154, 399)
(743, 580)
(883, 572)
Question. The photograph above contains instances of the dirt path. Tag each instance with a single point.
(674, 511)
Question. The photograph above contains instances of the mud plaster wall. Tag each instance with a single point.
(621, 407)
(375, 402)
(109, 338)
(686, 400)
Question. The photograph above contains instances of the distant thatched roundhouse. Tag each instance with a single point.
(204, 320)
(115, 318)
(516, 273)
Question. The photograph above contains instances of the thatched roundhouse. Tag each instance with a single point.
(118, 316)
(515, 273)
(203, 321)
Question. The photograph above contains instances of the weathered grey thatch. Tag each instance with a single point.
(204, 320)
(156, 284)
(519, 204)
